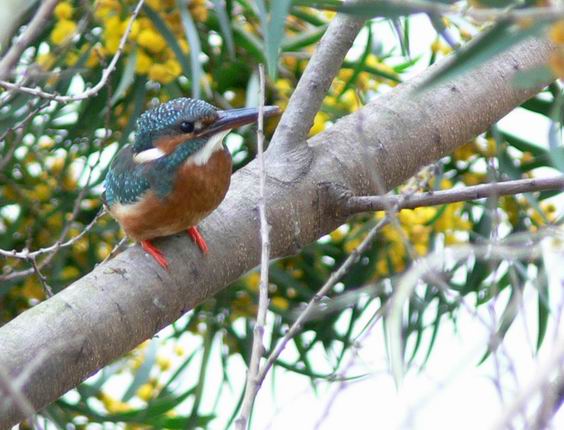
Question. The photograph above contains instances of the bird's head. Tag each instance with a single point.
(184, 120)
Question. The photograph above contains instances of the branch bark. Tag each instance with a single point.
(356, 204)
(35, 27)
(128, 299)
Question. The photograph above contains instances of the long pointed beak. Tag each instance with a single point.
(233, 118)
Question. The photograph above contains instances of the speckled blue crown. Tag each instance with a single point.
(164, 119)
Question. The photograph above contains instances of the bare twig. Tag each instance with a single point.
(253, 383)
(92, 91)
(14, 394)
(26, 254)
(42, 279)
(543, 377)
(36, 26)
(378, 203)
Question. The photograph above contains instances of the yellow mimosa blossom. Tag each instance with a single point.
(63, 31)
(318, 123)
(63, 10)
(143, 63)
(163, 362)
(280, 302)
(556, 32)
(151, 40)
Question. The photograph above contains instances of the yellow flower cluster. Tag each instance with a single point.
(556, 61)
(417, 229)
(65, 27)
(546, 215)
(342, 98)
(154, 56)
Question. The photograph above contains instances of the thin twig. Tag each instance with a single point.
(253, 383)
(35, 27)
(543, 376)
(26, 254)
(378, 203)
(15, 395)
(92, 91)
(42, 279)
(314, 302)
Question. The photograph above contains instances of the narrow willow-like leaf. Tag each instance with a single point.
(533, 77)
(542, 303)
(170, 39)
(142, 374)
(494, 41)
(304, 39)
(273, 30)
(195, 47)
(522, 145)
(127, 77)
(367, 9)
(224, 24)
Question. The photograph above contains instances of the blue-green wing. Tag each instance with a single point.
(125, 182)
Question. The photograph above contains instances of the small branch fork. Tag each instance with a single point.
(253, 383)
(92, 91)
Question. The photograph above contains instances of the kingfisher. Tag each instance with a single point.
(176, 171)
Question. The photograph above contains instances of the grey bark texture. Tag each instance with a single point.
(128, 299)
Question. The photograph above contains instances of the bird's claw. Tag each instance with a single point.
(197, 237)
(155, 252)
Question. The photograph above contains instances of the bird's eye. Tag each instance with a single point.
(187, 126)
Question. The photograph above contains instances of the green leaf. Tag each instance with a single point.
(223, 17)
(195, 46)
(492, 42)
(538, 105)
(142, 374)
(127, 77)
(170, 38)
(542, 303)
(273, 29)
(373, 9)
(557, 158)
(535, 77)
(522, 145)
(304, 39)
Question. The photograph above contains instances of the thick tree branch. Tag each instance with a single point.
(321, 69)
(128, 299)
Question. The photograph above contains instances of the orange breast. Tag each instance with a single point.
(198, 190)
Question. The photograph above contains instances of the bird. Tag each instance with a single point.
(176, 171)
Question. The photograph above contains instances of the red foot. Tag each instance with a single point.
(155, 252)
(198, 238)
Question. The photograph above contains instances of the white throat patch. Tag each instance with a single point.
(213, 144)
(148, 155)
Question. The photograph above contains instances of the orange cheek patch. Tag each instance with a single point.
(168, 144)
